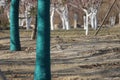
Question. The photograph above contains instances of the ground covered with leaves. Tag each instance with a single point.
(74, 56)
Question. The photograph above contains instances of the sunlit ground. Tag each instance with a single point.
(74, 56)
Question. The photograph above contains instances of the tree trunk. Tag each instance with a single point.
(63, 21)
(93, 20)
(66, 18)
(33, 35)
(28, 18)
(75, 21)
(96, 22)
(42, 69)
(86, 20)
(119, 18)
(52, 18)
(14, 26)
(86, 27)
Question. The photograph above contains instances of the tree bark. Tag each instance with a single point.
(93, 20)
(14, 26)
(52, 18)
(42, 68)
(119, 18)
(75, 21)
(86, 20)
(66, 18)
(63, 12)
(33, 35)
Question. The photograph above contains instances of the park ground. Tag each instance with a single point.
(74, 56)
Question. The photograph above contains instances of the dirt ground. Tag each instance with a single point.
(74, 56)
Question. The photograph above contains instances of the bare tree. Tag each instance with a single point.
(90, 8)
(61, 8)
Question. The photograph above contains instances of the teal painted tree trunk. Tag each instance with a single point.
(42, 68)
(14, 26)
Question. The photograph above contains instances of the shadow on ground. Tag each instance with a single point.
(17, 69)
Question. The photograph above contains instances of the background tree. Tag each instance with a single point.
(90, 8)
(14, 26)
(42, 69)
(61, 7)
